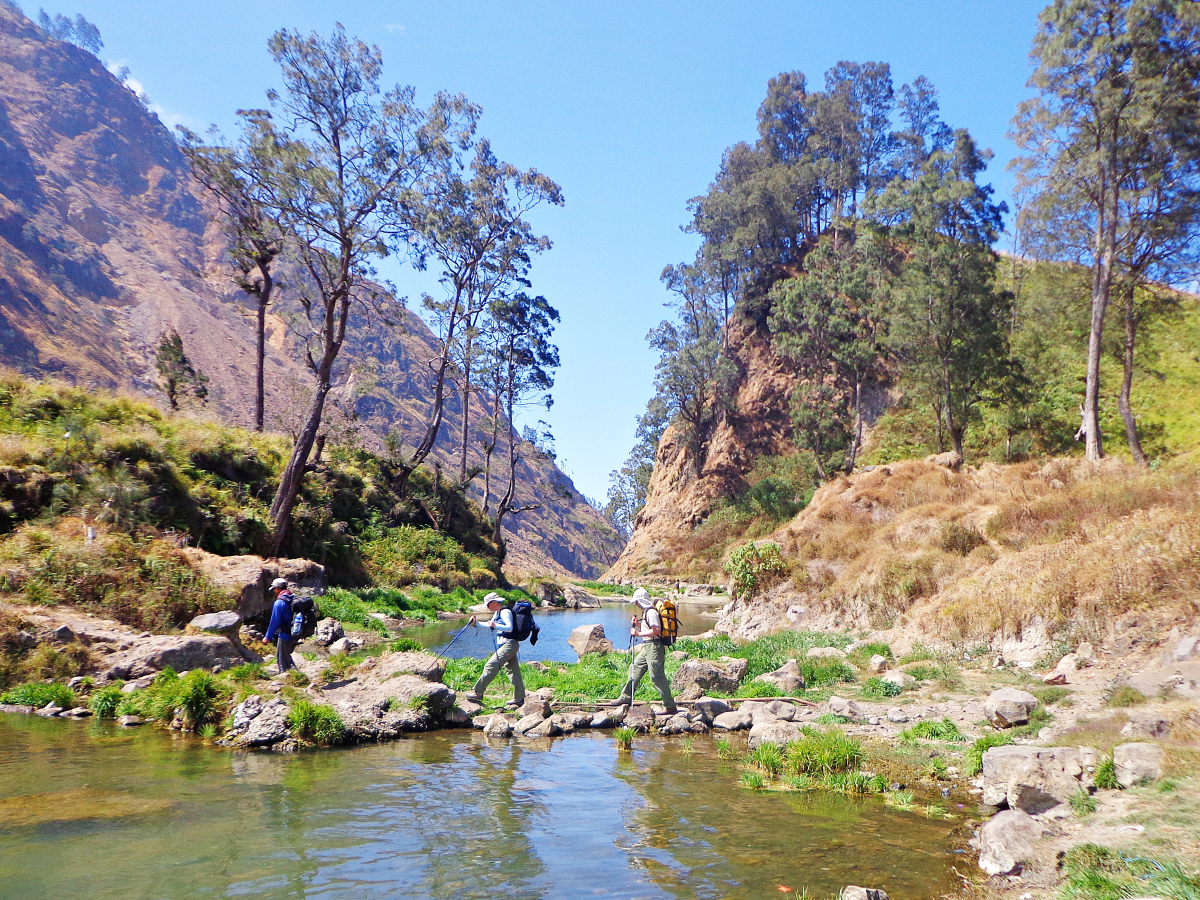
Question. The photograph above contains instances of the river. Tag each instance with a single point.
(92, 810)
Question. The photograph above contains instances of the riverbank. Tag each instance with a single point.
(915, 728)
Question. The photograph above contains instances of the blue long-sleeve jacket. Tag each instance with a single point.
(281, 617)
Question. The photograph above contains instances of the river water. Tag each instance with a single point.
(556, 626)
(91, 810)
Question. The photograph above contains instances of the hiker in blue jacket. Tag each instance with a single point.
(280, 629)
(502, 625)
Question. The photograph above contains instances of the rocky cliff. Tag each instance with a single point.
(106, 241)
(678, 500)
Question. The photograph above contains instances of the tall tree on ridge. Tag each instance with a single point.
(233, 176)
(1117, 110)
(334, 175)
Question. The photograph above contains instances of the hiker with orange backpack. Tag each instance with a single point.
(658, 629)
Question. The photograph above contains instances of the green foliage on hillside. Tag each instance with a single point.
(151, 484)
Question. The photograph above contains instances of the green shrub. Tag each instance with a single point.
(38, 695)
(1106, 775)
(624, 737)
(973, 757)
(958, 538)
(1125, 695)
(862, 654)
(405, 645)
(1083, 803)
(248, 672)
(104, 702)
(753, 567)
(1053, 694)
(945, 730)
(877, 687)
(766, 756)
(318, 723)
(199, 697)
(753, 780)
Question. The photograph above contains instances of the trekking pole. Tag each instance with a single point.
(453, 639)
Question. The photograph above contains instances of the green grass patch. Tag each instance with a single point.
(1052, 694)
(1125, 696)
(1106, 775)
(1100, 873)
(1083, 803)
(606, 590)
(944, 730)
(199, 697)
(973, 757)
(104, 702)
(878, 688)
(317, 723)
(37, 694)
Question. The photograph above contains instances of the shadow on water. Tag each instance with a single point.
(113, 813)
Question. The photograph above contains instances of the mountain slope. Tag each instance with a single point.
(106, 241)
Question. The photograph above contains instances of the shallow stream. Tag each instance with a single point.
(91, 810)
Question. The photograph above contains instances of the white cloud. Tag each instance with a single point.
(392, 28)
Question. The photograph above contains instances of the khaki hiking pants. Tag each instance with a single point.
(504, 657)
(650, 657)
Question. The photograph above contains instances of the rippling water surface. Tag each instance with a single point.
(89, 810)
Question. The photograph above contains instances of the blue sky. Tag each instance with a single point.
(627, 105)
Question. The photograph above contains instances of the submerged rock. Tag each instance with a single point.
(854, 892)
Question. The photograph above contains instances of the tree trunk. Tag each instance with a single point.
(293, 474)
(1131, 431)
(954, 430)
(264, 298)
(856, 438)
(1106, 241)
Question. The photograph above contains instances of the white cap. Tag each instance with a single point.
(279, 583)
(493, 597)
(642, 598)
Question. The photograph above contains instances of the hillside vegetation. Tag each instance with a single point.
(151, 484)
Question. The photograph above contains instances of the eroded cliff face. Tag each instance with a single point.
(106, 241)
(758, 424)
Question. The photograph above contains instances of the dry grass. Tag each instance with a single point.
(984, 551)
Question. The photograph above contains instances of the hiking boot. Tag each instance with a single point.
(513, 704)
(472, 697)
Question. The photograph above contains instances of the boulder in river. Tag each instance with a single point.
(1007, 707)
(1033, 779)
(710, 707)
(498, 726)
(1006, 842)
(589, 639)
(268, 727)
(854, 892)
(734, 720)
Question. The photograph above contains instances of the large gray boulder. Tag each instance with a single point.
(1007, 841)
(1147, 724)
(423, 665)
(697, 677)
(774, 732)
(226, 622)
(735, 720)
(576, 597)
(181, 652)
(498, 726)
(1137, 763)
(854, 892)
(589, 639)
(640, 718)
(266, 728)
(528, 722)
(840, 706)
(709, 708)
(1007, 707)
(1033, 779)
(787, 679)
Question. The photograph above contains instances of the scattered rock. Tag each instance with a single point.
(1055, 677)
(19, 708)
(1032, 779)
(536, 706)
(225, 623)
(343, 645)
(138, 684)
(774, 732)
(1146, 725)
(854, 892)
(877, 666)
(131, 721)
(328, 631)
(528, 722)
(678, 655)
(734, 720)
(498, 726)
(781, 709)
(825, 653)
(787, 679)
(1137, 763)
(49, 711)
(1085, 654)
(63, 634)
(589, 639)
(679, 723)
(897, 715)
(1006, 841)
(604, 719)
(79, 712)
(901, 679)
(949, 460)
(269, 727)
(697, 677)
(246, 712)
(709, 708)
(1007, 707)
(639, 718)
(840, 706)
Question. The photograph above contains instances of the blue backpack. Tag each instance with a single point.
(523, 624)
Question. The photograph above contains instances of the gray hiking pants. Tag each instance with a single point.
(284, 646)
(650, 657)
(504, 657)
